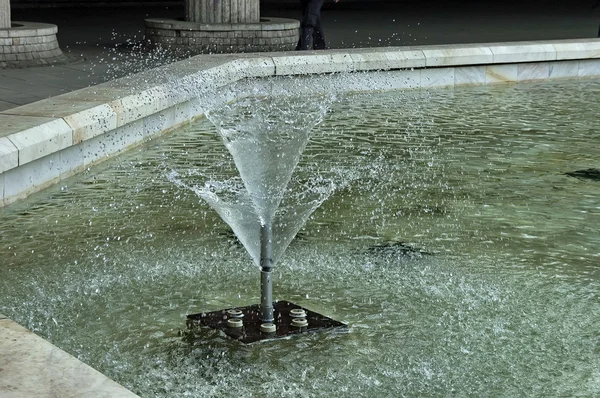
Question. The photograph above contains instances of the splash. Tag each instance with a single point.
(265, 137)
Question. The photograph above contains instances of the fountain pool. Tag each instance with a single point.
(461, 255)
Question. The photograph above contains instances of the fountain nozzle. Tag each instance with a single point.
(266, 265)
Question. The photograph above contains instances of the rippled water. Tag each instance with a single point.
(498, 297)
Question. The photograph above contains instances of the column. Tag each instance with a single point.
(4, 14)
(221, 11)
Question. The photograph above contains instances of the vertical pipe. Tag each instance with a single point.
(266, 265)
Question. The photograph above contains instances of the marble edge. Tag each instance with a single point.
(41, 140)
(433, 56)
(523, 52)
(461, 56)
(9, 155)
(43, 361)
(33, 136)
(573, 50)
(387, 60)
(137, 96)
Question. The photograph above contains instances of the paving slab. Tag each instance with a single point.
(4, 105)
(18, 97)
(32, 367)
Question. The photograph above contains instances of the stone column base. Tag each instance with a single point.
(270, 34)
(29, 44)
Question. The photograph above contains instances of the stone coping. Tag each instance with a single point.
(47, 127)
(32, 367)
(25, 29)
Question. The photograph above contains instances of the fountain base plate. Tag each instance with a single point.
(251, 333)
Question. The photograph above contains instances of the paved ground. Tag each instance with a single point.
(103, 42)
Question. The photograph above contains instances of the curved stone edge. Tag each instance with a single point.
(26, 29)
(29, 44)
(32, 367)
(44, 142)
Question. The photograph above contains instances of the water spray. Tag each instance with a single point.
(265, 148)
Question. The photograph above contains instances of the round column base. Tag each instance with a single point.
(270, 34)
(27, 44)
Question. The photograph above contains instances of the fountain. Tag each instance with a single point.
(266, 137)
(108, 264)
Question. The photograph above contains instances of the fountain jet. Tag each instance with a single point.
(266, 137)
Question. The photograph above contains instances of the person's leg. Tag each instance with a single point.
(319, 37)
(304, 5)
(310, 20)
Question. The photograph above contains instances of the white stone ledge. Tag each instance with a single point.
(42, 140)
(577, 49)
(452, 55)
(387, 59)
(9, 155)
(33, 136)
(526, 52)
(32, 367)
(312, 63)
(173, 94)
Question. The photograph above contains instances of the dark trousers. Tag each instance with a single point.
(311, 32)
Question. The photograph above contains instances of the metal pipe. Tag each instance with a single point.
(266, 265)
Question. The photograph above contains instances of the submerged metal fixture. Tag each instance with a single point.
(299, 322)
(268, 328)
(235, 313)
(235, 323)
(254, 329)
(297, 313)
(267, 320)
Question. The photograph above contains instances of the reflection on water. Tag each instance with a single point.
(504, 302)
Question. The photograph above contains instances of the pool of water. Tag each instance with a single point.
(462, 257)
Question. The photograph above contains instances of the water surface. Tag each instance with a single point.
(498, 296)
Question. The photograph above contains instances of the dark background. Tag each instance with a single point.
(349, 23)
